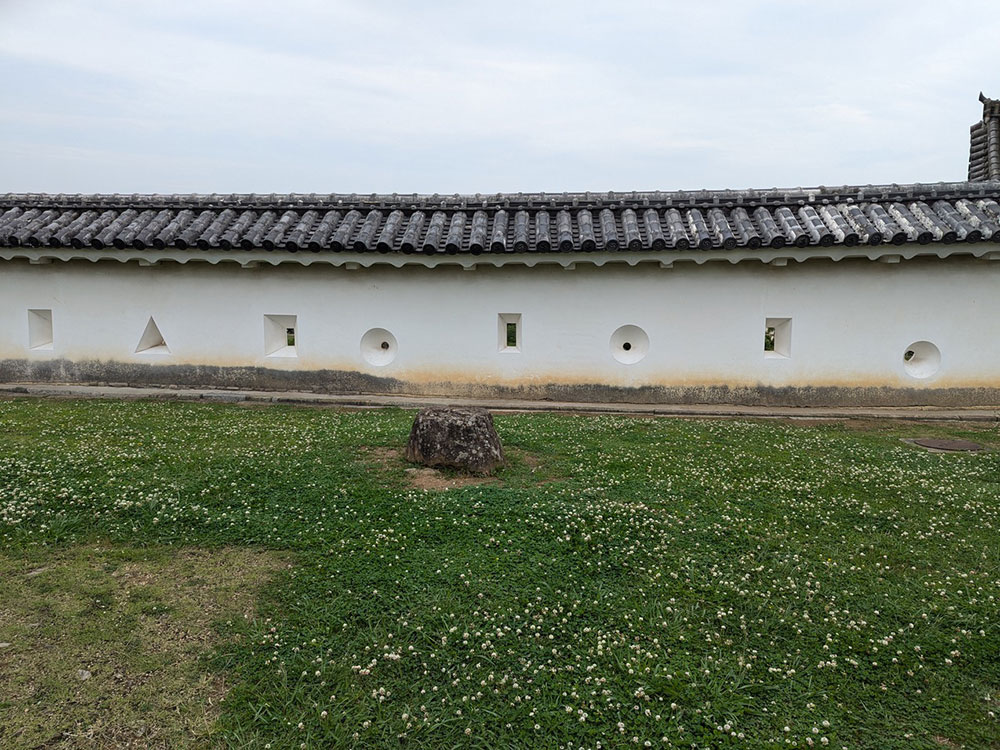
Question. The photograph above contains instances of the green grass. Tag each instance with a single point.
(103, 644)
(678, 583)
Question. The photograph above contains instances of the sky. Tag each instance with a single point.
(329, 96)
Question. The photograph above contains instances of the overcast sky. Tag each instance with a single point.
(440, 96)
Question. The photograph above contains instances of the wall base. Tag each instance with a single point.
(93, 372)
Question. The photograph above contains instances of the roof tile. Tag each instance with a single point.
(609, 231)
(841, 231)
(231, 237)
(255, 237)
(521, 220)
(498, 238)
(543, 232)
(212, 236)
(744, 229)
(176, 224)
(435, 232)
(193, 231)
(564, 231)
(791, 227)
(915, 229)
(477, 238)
(720, 227)
(27, 227)
(958, 212)
(85, 236)
(654, 230)
(411, 235)
(277, 231)
(456, 232)
(630, 225)
(585, 226)
(130, 231)
(296, 237)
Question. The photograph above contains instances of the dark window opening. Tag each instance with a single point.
(289, 337)
(769, 339)
(627, 346)
(512, 334)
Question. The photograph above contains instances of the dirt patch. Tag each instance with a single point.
(945, 742)
(432, 479)
(105, 643)
(388, 457)
(522, 468)
(530, 459)
(424, 477)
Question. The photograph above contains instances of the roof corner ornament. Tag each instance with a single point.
(984, 148)
(991, 107)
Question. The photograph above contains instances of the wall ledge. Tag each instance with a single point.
(259, 258)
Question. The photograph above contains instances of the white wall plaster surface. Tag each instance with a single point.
(854, 320)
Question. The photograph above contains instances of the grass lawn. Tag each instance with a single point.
(215, 575)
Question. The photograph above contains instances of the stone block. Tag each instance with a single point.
(458, 438)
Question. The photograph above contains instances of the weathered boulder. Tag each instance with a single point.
(460, 438)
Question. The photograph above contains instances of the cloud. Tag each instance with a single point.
(665, 95)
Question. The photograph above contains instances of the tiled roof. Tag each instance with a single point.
(984, 151)
(509, 223)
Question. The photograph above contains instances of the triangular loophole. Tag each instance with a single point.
(152, 340)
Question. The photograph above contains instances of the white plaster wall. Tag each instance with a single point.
(851, 321)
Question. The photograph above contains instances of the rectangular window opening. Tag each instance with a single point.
(279, 336)
(509, 325)
(778, 338)
(40, 329)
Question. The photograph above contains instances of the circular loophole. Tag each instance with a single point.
(378, 347)
(921, 359)
(629, 344)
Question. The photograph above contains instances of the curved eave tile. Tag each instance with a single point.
(473, 225)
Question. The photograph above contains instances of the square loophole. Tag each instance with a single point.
(280, 335)
(778, 338)
(40, 329)
(509, 332)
